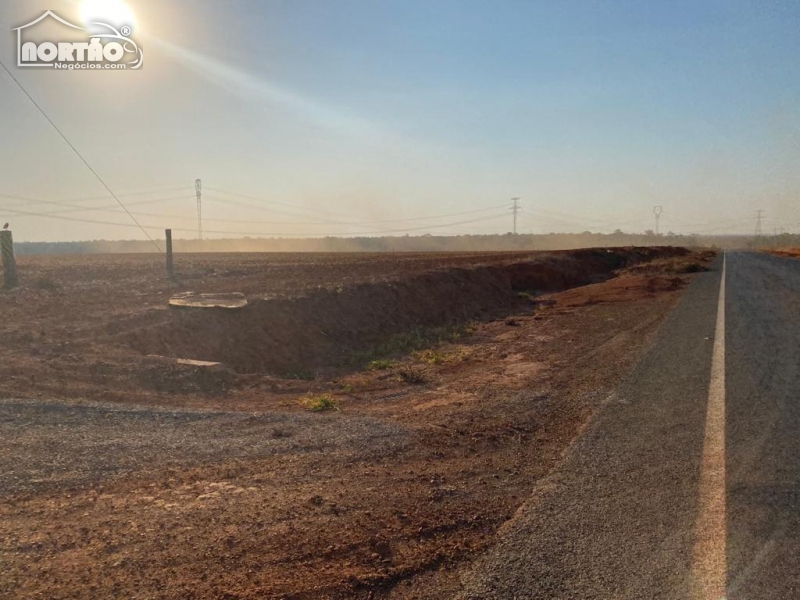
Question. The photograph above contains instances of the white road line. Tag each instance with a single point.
(710, 569)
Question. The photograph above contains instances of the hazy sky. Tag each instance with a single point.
(372, 112)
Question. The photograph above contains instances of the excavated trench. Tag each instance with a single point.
(336, 327)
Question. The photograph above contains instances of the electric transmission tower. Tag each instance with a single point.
(657, 210)
(758, 223)
(515, 208)
(198, 190)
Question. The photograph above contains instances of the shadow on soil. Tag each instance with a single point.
(355, 324)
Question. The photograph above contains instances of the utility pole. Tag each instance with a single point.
(198, 189)
(170, 266)
(657, 210)
(515, 208)
(758, 223)
(10, 276)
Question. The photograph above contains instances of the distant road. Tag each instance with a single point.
(688, 483)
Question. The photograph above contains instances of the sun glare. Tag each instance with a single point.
(110, 12)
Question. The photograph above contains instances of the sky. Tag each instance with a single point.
(321, 117)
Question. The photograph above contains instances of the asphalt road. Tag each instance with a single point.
(687, 484)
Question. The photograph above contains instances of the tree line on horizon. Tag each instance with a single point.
(407, 243)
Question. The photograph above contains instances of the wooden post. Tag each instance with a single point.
(10, 276)
(170, 268)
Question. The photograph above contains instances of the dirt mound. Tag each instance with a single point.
(695, 262)
(621, 289)
(786, 252)
(337, 327)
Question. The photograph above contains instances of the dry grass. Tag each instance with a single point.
(321, 403)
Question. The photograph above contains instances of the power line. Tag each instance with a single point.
(115, 209)
(577, 222)
(571, 218)
(27, 213)
(712, 229)
(248, 197)
(68, 201)
(388, 221)
(53, 215)
(281, 234)
(690, 223)
(78, 208)
(329, 221)
(263, 208)
(78, 154)
(159, 190)
(611, 221)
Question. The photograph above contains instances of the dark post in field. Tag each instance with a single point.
(10, 277)
(170, 268)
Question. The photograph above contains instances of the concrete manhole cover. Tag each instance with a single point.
(231, 300)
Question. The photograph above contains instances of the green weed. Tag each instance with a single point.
(407, 342)
(320, 403)
(380, 365)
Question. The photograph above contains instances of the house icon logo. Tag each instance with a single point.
(76, 47)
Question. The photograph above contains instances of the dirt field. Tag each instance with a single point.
(126, 475)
